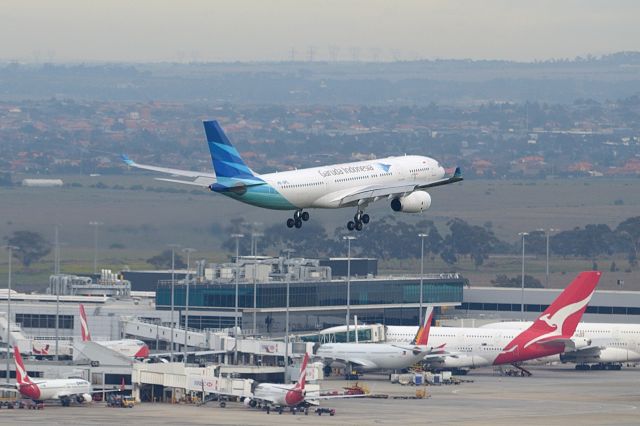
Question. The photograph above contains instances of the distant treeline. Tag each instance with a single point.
(390, 238)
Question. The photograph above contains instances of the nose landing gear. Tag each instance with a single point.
(298, 217)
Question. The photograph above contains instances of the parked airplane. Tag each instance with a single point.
(400, 180)
(279, 395)
(267, 395)
(551, 333)
(608, 344)
(128, 347)
(64, 390)
(381, 356)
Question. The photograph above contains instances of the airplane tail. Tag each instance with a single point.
(303, 374)
(565, 312)
(227, 162)
(84, 326)
(22, 377)
(556, 325)
(422, 337)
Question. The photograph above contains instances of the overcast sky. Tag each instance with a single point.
(256, 30)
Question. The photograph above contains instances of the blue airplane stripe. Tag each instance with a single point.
(228, 148)
(241, 168)
(217, 152)
(223, 170)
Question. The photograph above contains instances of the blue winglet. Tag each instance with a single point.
(128, 161)
(457, 173)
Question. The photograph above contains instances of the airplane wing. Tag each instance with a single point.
(354, 361)
(374, 193)
(202, 179)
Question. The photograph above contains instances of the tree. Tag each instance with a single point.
(163, 260)
(515, 282)
(31, 246)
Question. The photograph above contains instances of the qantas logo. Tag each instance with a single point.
(556, 321)
(42, 351)
(21, 374)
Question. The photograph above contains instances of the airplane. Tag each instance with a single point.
(132, 348)
(608, 345)
(267, 395)
(63, 390)
(381, 356)
(279, 395)
(552, 333)
(400, 180)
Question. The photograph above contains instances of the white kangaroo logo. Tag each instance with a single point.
(556, 320)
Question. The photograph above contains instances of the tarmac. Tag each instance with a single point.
(555, 395)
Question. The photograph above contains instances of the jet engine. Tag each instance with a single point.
(248, 402)
(84, 398)
(415, 202)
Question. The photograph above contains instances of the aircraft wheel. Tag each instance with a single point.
(305, 216)
(298, 223)
(351, 225)
(279, 410)
(365, 218)
(223, 404)
(290, 223)
(268, 409)
(358, 226)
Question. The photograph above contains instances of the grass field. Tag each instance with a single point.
(141, 222)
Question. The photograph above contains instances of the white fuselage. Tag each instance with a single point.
(372, 356)
(474, 347)
(55, 389)
(131, 348)
(275, 394)
(617, 342)
(324, 187)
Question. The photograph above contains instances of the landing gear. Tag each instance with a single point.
(298, 217)
(359, 220)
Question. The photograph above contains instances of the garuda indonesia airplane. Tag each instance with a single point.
(400, 180)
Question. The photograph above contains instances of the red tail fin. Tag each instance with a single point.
(84, 326)
(559, 321)
(303, 373)
(21, 373)
(564, 314)
(422, 337)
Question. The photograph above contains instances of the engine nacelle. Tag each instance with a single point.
(415, 202)
(581, 342)
(248, 402)
(84, 398)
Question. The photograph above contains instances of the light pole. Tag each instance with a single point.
(235, 317)
(286, 328)
(422, 237)
(8, 353)
(546, 233)
(56, 271)
(186, 301)
(173, 284)
(254, 254)
(349, 238)
(522, 234)
(95, 224)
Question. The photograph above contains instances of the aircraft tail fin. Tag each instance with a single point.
(565, 312)
(22, 377)
(303, 373)
(227, 162)
(422, 337)
(84, 326)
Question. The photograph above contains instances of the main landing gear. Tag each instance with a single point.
(359, 220)
(298, 217)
